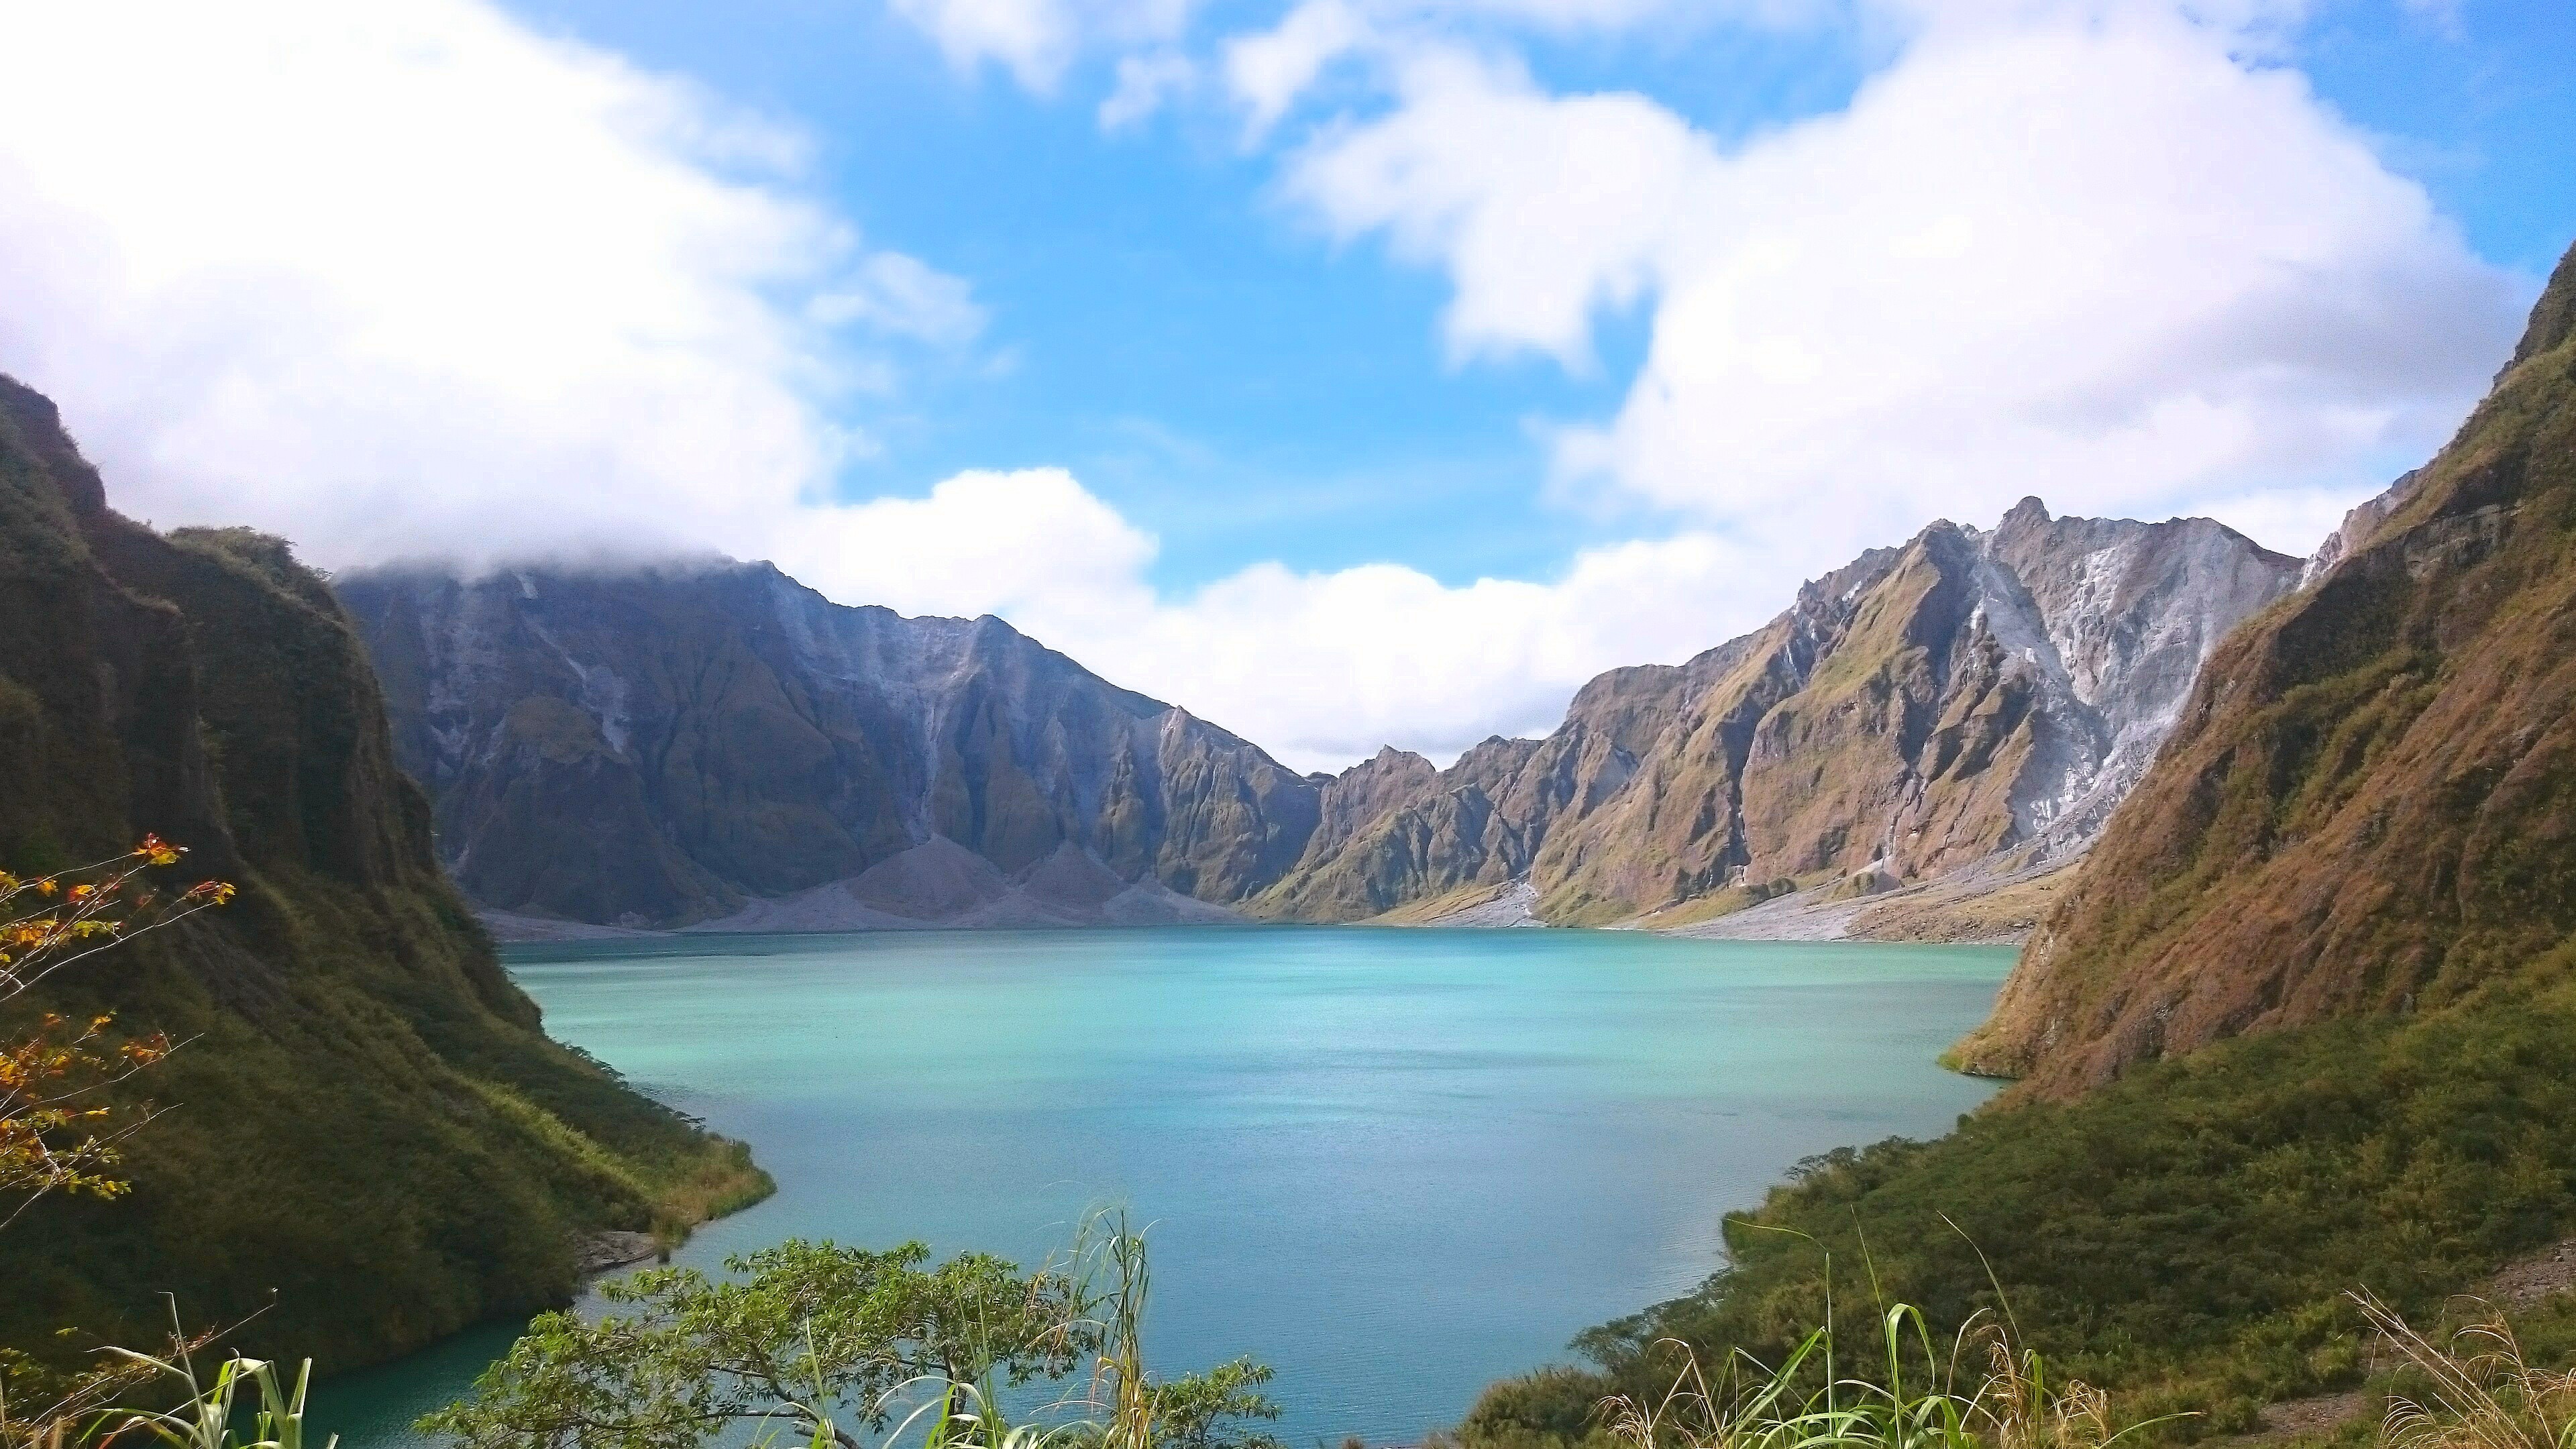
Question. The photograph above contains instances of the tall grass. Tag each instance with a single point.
(2483, 1392)
(1983, 1391)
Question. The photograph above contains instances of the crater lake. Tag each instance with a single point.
(1392, 1164)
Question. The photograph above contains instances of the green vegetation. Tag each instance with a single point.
(2185, 1237)
(206, 1414)
(827, 1344)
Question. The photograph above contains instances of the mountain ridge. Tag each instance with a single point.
(688, 746)
(1967, 693)
(666, 747)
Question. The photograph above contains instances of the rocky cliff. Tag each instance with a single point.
(1924, 709)
(2370, 803)
(717, 744)
(366, 1120)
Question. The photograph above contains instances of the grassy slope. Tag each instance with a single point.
(367, 1120)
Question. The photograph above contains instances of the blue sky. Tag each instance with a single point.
(1378, 374)
(1218, 368)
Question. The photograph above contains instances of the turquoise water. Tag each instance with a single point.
(1394, 1164)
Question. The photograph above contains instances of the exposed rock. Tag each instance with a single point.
(2357, 527)
(508, 926)
(2530, 1281)
(2370, 804)
(1991, 903)
(940, 884)
(1513, 905)
(601, 1252)
(654, 747)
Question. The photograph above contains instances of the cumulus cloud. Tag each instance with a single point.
(1268, 70)
(1020, 543)
(408, 277)
(422, 283)
(2086, 252)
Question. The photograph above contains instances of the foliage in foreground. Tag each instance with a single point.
(1982, 1392)
(207, 1413)
(2185, 1236)
(58, 1130)
(2482, 1391)
(835, 1346)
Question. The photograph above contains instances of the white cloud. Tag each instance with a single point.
(1145, 84)
(1036, 39)
(2087, 252)
(981, 542)
(406, 277)
(420, 283)
(900, 296)
(1318, 668)
(1322, 668)
(1544, 210)
(1268, 70)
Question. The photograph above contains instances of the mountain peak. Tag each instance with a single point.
(2553, 317)
(2028, 513)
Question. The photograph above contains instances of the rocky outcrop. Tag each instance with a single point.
(2370, 802)
(941, 884)
(675, 745)
(2357, 527)
(1973, 693)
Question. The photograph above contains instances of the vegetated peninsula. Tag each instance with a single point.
(716, 746)
(365, 1124)
(2303, 1023)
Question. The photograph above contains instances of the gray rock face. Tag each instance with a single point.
(2115, 618)
(664, 746)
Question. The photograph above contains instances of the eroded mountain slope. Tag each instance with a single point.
(670, 745)
(2370, 803)
(1920, 710)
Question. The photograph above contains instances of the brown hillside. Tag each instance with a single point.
(2370, 802)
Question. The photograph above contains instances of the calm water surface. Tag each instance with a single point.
(1394, 1164)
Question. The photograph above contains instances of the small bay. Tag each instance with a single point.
(1394, 1164)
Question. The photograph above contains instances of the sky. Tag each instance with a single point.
(1349, 372)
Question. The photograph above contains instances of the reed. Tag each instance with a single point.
(2482, 1392)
